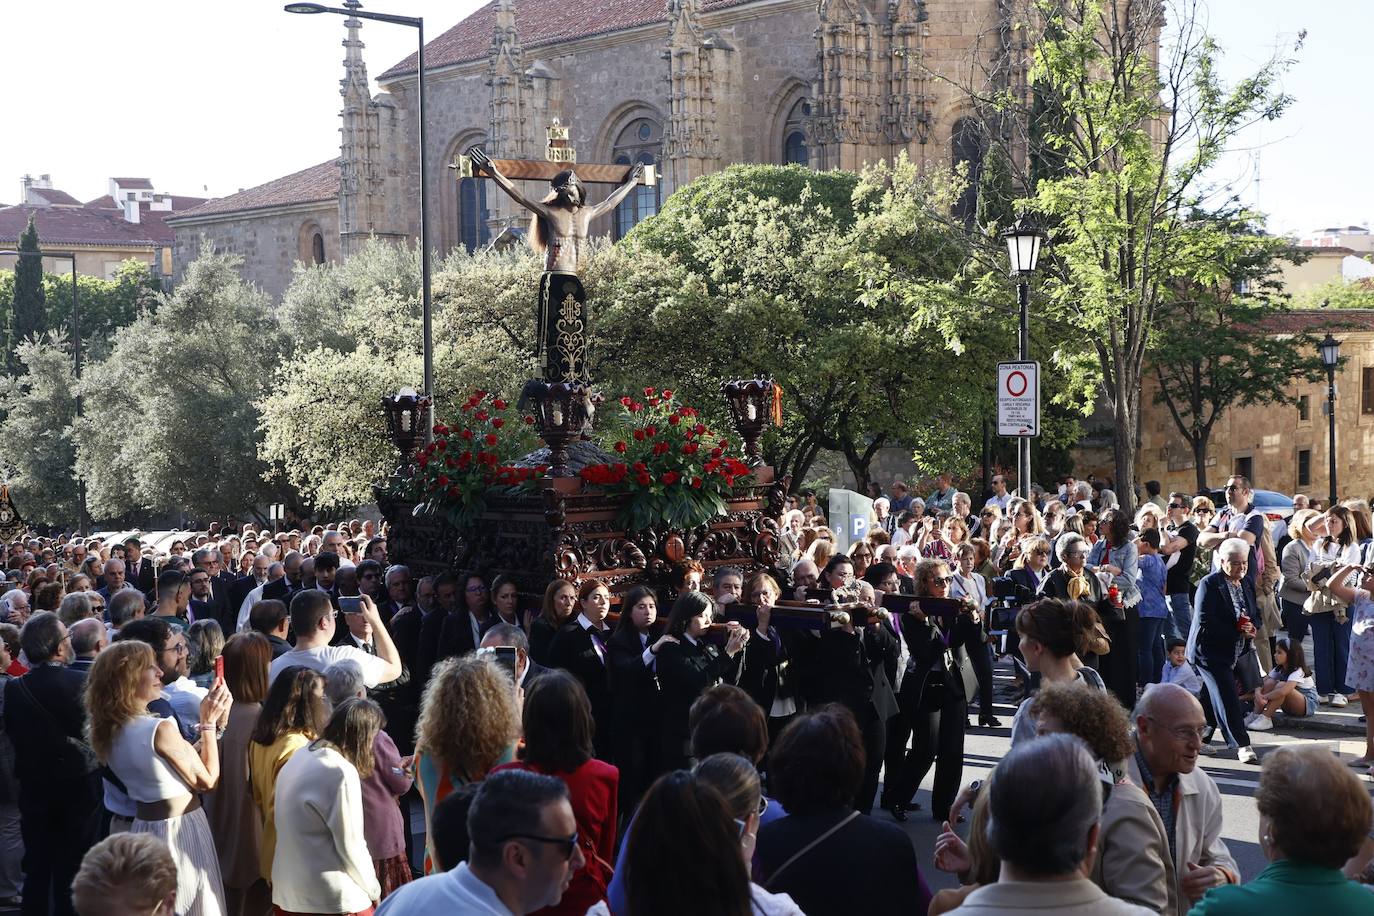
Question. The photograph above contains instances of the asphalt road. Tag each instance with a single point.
(1237, 781)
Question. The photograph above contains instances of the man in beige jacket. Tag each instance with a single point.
(1169, 726)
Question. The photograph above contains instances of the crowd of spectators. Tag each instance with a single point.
(290, 723)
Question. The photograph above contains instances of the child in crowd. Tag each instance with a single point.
(1288, 688)
(1178, 671)
(1154, 608)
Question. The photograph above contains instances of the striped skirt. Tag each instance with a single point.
(200, 892)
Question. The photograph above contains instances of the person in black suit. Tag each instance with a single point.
(932, 699)
(242, 586)
(690, 665)
(632, 653)
(825, 856)
(559, 607)
(855, 659)
(213, 596)
(285, 588)
(463, 632)
(138, 569)
(431, 627)
(59, 801)
(580, 649)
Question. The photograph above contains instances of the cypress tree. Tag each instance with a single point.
(28, 316)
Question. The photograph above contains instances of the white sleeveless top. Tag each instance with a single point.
(146, 776)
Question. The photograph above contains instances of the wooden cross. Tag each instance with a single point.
(559, 155)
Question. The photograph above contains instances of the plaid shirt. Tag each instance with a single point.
(1165, 798)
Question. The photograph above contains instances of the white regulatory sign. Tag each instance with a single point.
(1018, 399)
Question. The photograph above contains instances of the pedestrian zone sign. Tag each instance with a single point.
(1018, 399)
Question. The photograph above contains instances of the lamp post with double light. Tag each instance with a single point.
(354, 9)
(1023, 252)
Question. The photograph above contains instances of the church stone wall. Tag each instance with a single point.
(268, 241)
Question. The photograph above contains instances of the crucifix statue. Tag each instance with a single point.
(559, 229)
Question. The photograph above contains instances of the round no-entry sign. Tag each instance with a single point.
(1018, 399)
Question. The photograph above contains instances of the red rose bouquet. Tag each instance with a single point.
(674, 469)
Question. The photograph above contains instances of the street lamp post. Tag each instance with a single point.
(82, 522)
(1023, 251)
(354, 9)
(1331, 355)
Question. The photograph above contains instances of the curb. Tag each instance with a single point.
(1348, 725)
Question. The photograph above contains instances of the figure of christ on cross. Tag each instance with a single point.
(558, 228)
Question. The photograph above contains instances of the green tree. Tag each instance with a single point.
(1215, 348)
(356, 332)
(779, 271)
(38, 406)
(106, 305)
(171, 417)
(1126, 134)
(28, 316)
(1338, 293)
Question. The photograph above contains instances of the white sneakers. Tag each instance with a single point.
(1259, 722)
(1338, 700)
(1247, 755)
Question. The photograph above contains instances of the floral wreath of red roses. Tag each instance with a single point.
(673, 469)
(472, 456)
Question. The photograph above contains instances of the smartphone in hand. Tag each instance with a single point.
(351, 604)
(219, 668)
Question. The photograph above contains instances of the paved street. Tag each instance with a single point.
(984, 747)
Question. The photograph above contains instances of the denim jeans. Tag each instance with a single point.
(1294, 621)
(1180, 617)
(1330, 650)
(1150, 650)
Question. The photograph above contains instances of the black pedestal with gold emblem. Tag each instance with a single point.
(562, 328)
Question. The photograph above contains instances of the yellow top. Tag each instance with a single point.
(264, 763)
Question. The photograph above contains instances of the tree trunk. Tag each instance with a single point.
(1199, 444)
(1124, 440)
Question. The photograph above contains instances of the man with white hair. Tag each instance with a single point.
(1169, 725)
(14, 607)
(114, 578)
(1223, 610)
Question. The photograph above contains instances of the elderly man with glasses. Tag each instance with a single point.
(1169, 729)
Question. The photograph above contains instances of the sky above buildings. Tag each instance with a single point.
(206, 99)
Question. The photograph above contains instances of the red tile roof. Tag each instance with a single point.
(56, 197)
(1319, 321)
(541, 22)
(317, 183)
(58, 226)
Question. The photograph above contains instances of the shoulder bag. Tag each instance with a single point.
(777, 873)
(75, 758)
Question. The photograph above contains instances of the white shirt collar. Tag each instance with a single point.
(586, 624)
(479, 890)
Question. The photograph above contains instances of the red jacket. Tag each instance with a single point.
(592, 788)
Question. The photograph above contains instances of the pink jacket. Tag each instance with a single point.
(382, 823)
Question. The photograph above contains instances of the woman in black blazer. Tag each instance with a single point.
(633, 649)
(767, 668)
(855, 659)
(933, 700)
(580, 648)
(690, 665)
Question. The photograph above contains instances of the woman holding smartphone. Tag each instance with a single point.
(166, 783)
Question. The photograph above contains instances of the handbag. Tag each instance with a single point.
(1321, 601)
(1249, 674)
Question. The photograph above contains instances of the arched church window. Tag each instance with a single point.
(317, 248)
(473, 230)
(968, 146)
(640, 141)
(794, 149)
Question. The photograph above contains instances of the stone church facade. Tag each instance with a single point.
(691, 85)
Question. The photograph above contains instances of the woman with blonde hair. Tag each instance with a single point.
(821, 550)
(469, 723)
(162, 773)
